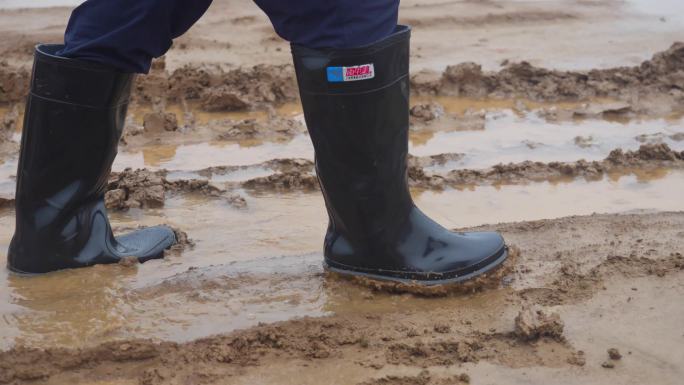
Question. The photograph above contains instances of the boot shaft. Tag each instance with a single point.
(73, 121)
(356, 109)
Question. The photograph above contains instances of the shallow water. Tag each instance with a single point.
(263, 263)
(507, 135)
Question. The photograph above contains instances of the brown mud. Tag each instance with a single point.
(657, 85)
(618, 161)
(527, 330)
(215, 145)
(144, 189)
(148, 188)
(662, 78)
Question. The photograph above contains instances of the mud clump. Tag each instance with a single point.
(292, 180)
(143, 188)
(534, 322)
(158, 122)
(423, 378)
(183, 242)
(134, 189)
(424, 113)
(223, 99)
(647, 152)
(614, 354)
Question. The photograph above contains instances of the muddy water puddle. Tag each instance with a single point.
(509, 131)
(508, 136)
(505, 135)
(263, 263)
(216, 153)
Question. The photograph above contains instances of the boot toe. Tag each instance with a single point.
(148, 243)
(467, 255)
(487, 247)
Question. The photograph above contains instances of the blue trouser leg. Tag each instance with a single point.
(332, 23)
(127, 34)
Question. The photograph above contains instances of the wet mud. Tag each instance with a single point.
(647, 157)
(523, 336)
(143, 188)
(662, 78)
(523, 128)
(657, 85)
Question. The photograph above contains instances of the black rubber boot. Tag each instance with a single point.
(356, 109)
(74, 116)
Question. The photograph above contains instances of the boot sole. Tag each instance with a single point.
(427, 282)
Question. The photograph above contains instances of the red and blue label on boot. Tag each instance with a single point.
(350, 74)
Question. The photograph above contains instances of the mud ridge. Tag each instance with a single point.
(245, 88)
(308, 338)
(663, 74)
(648, 156)
(143, 188)
(283, 165)
(219, 90)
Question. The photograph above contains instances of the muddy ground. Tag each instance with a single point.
(511, 130)
(582, 286)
